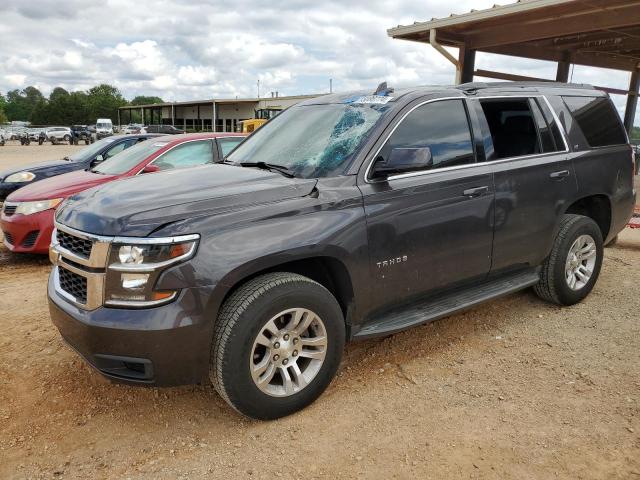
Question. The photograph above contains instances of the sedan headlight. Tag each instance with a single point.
(135, 266)
(20, 177)
(29, 208)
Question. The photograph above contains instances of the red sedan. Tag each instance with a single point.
(27, 214)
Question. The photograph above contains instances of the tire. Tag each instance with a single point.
(555, 278)
(243, 320)
(66, 138)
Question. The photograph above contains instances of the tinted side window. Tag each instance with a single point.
(512, 126)
(188, 154)
(598, 120)
(116, 149)
(443, 127)
(546, 138)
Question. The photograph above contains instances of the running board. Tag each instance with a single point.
(433, 308)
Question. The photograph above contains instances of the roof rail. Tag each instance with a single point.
(474, 86)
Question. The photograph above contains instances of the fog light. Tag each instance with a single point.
(134, 281)
(130, 254)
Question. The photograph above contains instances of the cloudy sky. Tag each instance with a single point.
(185, 50)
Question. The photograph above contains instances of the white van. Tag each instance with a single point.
(104, 128)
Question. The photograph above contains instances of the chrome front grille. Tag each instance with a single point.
(74, 284)
(77, 245)
(80, 262)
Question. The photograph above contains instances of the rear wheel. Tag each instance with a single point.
(277, 345)
(572, 269)
(66, 138)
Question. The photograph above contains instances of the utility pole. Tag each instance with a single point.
(331, 85)
(258, 88)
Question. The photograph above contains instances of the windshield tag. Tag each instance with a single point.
(375, 99)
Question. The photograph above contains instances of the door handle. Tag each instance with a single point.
(475, 192)
(560, 175)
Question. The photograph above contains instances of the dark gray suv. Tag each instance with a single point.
(344, 217)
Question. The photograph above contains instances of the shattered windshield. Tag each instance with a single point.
(313, 140)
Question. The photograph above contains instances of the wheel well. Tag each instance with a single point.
(328, 272)
(596, 207)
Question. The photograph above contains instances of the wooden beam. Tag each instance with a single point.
(581, 22)
(632, 101)
(467, 59)
(564, 65)
(508, 76)
(578, 58)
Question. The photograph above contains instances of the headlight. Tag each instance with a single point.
(20, 177)
(134, 269)
(29, 208)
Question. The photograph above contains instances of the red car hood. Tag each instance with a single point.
(61, 186)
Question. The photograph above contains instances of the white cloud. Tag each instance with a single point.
(181, 50)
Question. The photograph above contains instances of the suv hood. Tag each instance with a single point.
(60, 186)
(139, 205)
(43, 168)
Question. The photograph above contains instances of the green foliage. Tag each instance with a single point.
(63, 107)
(635, 134)
(3, 116)
(143, 100)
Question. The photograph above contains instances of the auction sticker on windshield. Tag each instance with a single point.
(375, 99)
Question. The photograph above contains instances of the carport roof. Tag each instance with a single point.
(597, 33)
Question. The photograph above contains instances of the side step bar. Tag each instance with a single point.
(432, 308)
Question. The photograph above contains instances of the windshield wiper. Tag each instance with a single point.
(272, 167)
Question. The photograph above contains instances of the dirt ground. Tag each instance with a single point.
(515, 388)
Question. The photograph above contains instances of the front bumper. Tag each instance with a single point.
(28, 233)
(162, 346)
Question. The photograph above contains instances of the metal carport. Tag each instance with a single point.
(595, 33)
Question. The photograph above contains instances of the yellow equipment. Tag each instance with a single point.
(263, 115)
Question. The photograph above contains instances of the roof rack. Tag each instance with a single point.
(474, 86)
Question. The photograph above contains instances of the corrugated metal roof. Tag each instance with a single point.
(475, 15)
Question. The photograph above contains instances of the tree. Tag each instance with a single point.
(58, 93)
(143, 100)
(20, 104)
(3, 116)
(635, 134)
(103, 102)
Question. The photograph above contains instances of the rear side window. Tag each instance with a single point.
(188, 154)
(598, 120)
(443, 127)
(512, 126)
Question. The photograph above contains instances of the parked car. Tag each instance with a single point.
(58, 134)
(104, 128)
(2, 138)
(133, 128)
(166, 129)
(27, 216)
(14, 178)
(344, 217)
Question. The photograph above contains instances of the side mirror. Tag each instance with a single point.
(403, 160)
(150, 169)
(97, 161)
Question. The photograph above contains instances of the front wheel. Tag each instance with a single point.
(572, 269)
(277, 345)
